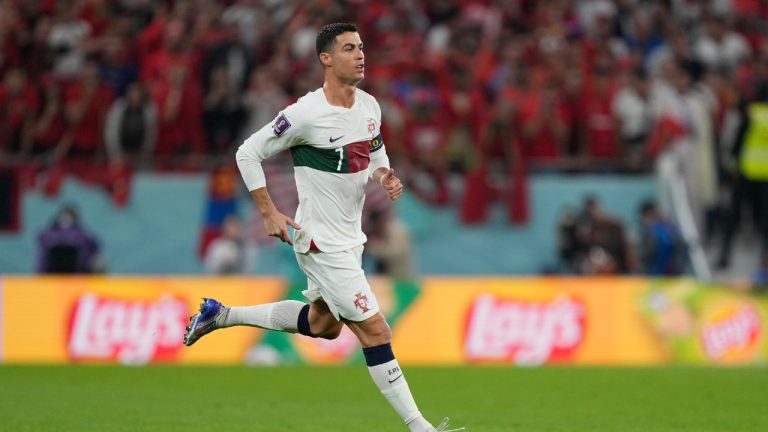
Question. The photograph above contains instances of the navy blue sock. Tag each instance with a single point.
(377, 355)
(303, 324)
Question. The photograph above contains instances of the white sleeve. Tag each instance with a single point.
(379, 158)
(282, 133)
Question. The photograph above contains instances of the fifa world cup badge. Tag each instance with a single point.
(361, 301)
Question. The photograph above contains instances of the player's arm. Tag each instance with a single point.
(381, 172)
(268, 141)
(275, 223)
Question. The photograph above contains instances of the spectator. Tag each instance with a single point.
(633, 111)
(749, 172)
(468, 110)
(179, 105)
(601, 145)
(69, 37)
(427, 128)
(642, 37)
(660, 244)
(85, 103)
(593, 242)
(571, 244)
(684, 142)
(544, 126)
(131, 128)
(227, 254)
(262, 99)
(223, 113)
(249, 16)
(50, 130)
(719, 47)
(496, 168)
(231, 56)
(18, 106)
(164, 46)
(117, 69)
(66, 247)
(608, 248)
(11, 30)
(39, 56)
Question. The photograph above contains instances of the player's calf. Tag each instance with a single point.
(289, 316)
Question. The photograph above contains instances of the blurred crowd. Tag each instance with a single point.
(592, 241)
(488, 91)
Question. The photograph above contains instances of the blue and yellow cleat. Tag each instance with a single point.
(204, 321)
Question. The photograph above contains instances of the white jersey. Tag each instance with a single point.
(334, 151)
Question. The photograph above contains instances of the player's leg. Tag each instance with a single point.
(375, 336)
(291, 316)
(320, 322)
(340, 281)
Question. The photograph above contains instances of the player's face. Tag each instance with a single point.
(348, 58)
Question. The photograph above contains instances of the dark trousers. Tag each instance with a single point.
(755, 195)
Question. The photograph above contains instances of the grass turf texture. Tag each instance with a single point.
(340, 399)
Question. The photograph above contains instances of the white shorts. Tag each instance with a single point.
(338, 279)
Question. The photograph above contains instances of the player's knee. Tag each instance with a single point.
(331, 332)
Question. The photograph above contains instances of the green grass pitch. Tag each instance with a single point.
(344, 399)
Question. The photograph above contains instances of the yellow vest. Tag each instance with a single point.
(754, 154)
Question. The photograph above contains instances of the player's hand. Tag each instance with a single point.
(276, 225)
(391, 184)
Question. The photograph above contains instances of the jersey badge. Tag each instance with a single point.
(281, 125)
(372, 127)
(361, 301)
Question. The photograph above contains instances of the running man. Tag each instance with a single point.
(334, 137)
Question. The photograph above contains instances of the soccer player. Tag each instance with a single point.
(334, 137)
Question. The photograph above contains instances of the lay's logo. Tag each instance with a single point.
(525, 332)
(733, 335)
(130, 332)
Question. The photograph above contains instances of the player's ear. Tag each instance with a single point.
(325, 59)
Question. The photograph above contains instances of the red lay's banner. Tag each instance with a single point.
(523, 332)
(127, 331)
(122, 320)
(445, 321)
(528, 321)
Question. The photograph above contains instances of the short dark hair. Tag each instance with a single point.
(327, 35)
(647, 206)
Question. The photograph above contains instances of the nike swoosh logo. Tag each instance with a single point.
(333, 140)
(398, 377)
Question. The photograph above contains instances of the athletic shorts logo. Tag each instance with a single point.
(361, 301)
(281, 125)
(333, 140)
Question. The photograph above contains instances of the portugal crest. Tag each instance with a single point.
(361, 301)
(372, 127)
